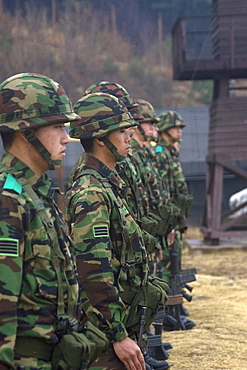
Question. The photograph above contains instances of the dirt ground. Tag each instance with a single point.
(219, 309)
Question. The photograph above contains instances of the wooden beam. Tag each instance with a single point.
(233, 169)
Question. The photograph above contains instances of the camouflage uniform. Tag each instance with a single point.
(29, 283)
(170, 168)
(135, 194)
(97, 233)
(170, 171)
(140, 158)
(143, 159)
(106, 236)
(164, 164)
(179, 177)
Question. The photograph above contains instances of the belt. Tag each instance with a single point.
(34, 347)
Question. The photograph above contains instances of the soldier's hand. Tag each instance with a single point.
(130, 354)
(171, 237)
(160, 255)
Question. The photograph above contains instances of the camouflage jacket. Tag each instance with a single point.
(178, 173)
(95, 223)
(136, 196)
(170, 168)
(147, 172)
(29, 286)
(132, 188)
(164, 163)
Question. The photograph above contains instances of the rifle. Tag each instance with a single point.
(178, 280)
(142, 325)
(187, 276)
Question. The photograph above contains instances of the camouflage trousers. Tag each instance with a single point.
(109, 361)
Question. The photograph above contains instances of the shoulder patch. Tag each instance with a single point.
(9, 247)
(12, 184)
(158, 149)
(101, 231)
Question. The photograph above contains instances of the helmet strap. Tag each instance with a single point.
(39, 147)
(145, 137)
(154, 139)
(112, 148)
(173, 138)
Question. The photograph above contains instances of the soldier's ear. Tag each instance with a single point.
(22, 135)
(99, 142)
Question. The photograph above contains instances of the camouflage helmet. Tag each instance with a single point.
(101, 114)
(170, 119)
(114, 89)
(147, 110)
(29, 101)
(136, 114)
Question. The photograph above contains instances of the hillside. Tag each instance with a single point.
(83, 47)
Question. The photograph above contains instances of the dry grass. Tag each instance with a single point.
(219, 308)
(80, 53)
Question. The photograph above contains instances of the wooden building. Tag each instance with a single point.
(215, 48)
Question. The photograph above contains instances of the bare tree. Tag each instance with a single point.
(1, 15)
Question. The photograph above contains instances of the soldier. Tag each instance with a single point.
(170, 131)
(142, 157)
(33, 111)
(111, 256)
(136, 195)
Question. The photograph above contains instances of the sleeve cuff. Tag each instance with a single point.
(117, 333)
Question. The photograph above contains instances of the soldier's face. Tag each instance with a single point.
(155, 132)
(54, 138)
(120, 139)
(147, 128)
(176, 132)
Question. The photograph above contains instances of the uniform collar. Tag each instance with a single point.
(165, 144)
(134, 144)
(103, 170)
(42, 184)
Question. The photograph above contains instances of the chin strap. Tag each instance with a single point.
(112, 149)
(32, 139)
(145, 137)
(173, 138)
